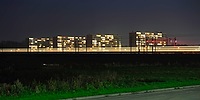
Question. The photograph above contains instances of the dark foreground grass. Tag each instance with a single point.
(110, 90)
(61, 82)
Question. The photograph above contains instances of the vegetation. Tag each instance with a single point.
(60, 81)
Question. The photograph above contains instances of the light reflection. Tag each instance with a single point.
(108, 49)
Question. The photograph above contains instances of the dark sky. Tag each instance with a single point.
(20, 19)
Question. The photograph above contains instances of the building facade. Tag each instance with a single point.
(44, 42)
(69, 42)
(103, 40)
(138, 39)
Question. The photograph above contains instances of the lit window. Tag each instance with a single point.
(138, 33)
(98, 35)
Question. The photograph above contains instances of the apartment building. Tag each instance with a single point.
(103, 40)
(147, 39)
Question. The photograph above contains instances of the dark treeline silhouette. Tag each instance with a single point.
(14, 44)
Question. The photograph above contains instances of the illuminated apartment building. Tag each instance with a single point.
(98, 40)
(107, 40)
(147, 39)
(35, 43)
(69, 42)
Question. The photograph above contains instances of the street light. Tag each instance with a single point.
(139, 44)
(152, 40)
(76, 44)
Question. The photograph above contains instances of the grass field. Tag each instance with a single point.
(52, 82)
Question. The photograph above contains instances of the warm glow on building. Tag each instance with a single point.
(100, 40)
(69, 41)
(44, 42)
(143, 39)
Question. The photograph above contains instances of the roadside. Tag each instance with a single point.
(130, 93)
(185, 93)
(109, 92)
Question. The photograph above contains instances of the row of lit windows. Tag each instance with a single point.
(104, 38)
(100, 40)
(148, 34)
(71, 41)
(71, 38)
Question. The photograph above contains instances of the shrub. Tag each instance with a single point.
(5, 89)
(52, 85)
(17, 88)
(40, 88)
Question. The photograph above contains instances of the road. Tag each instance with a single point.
(177, 94)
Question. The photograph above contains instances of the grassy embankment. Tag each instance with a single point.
(58, 82)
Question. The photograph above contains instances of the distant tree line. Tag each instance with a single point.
(14, 44)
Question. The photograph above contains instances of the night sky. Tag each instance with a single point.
(20, 19)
